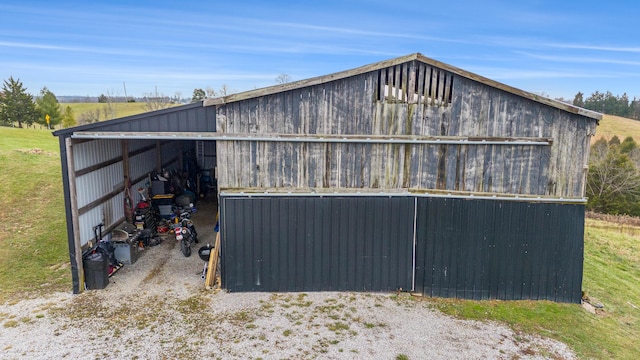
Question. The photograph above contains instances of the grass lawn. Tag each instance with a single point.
(121, 109)
(34, 259)
(611, 125)
(33, 248)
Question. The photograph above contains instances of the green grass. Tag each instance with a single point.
(34, 259)
(121, 109)
(33, 247)
(611, 125)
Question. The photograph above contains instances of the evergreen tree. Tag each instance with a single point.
(614, 141)
(48, 104)
(628, 145)
(198, 95)
(578, 100)
(608, 103)
(595, 102)
(634, 109)
(16, 105)
(68, 119)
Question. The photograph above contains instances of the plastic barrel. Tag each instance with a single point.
(96, 271)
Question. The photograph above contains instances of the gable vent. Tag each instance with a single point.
(415, 84)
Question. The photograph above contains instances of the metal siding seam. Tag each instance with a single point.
(437, 247)
(369, 247)
(351, 255)
(420, 248)
(345, 239)
(297, 263)
(413, 256)
(223, 250)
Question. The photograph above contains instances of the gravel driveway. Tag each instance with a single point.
(157, 308)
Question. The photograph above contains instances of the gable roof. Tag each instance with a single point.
(392, 62)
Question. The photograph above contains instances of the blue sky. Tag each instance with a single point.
(555, 48)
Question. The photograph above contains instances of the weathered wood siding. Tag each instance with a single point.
(407, 99)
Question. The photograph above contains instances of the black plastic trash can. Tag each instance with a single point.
(96, 270)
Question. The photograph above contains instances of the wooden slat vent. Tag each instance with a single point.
(415, 83)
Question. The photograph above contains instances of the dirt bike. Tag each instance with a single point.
(185, 232)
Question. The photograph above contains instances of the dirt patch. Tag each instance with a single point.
(37, 151)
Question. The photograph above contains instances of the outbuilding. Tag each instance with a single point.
(404, 175)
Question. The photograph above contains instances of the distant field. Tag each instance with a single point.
(611, 125)
(121, 109)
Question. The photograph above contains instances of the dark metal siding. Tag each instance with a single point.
(185, 118)
(484, 249)
(317, 243)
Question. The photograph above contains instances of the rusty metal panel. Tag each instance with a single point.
(489, 249)
(317, 243)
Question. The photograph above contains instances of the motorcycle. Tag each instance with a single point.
(185, 232)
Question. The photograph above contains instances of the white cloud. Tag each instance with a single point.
(579, 59)
(630, 49)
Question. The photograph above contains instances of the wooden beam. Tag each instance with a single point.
(128, 201)
(391, 192)
(73, 196)
(399, 139)
(101, 200)
(219, 136)
(212, 265)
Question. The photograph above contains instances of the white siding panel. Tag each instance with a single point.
(142, 163)
(98, 183)
(94, 152)
(108, 213)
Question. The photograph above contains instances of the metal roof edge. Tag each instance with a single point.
(309, 82)
(97, 125)
(395, 61)
(531, 96)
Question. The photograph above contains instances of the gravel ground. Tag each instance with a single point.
(157, 308)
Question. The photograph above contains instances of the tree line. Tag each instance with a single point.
(613, 180)
(610, 104)
(18, 107)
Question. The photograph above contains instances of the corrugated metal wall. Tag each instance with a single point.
(93, 184)
(314, 243)
(468, 249)
(186, 118)
(484, 249)
(99, 174)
